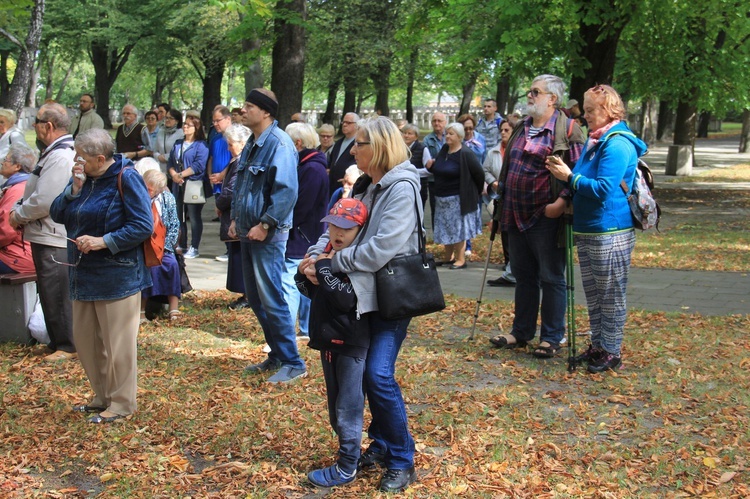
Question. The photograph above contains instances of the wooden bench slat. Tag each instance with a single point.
(18, 278)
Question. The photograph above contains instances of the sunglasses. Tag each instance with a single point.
(535, 92)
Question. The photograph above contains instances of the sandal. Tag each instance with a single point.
(174, 315)
(542, 352)
(501, 341)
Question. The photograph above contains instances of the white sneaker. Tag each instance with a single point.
(222, 258)
(192, 253)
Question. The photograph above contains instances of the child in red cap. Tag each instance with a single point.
(343, 338)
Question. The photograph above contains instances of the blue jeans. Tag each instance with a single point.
(299, 304)
(263, 270)
(389, 429)
(538, 265)
(346, 404)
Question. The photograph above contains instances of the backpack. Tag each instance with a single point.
(643, 207)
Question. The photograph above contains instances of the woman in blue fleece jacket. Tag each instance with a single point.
(602, 222)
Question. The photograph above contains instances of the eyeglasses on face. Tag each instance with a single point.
(220, 119)
(360, 144)
(37, 121)
(468, 129)
(348, 122)
(535, 92)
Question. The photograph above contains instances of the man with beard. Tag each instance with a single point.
(531, 211)
(87, 118)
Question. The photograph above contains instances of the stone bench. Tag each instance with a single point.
(17, 300)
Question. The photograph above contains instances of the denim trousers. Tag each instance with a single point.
(192, 211)
(389, 429)
(263, 270)
(299, 304)
(539, 266)
(344, 377)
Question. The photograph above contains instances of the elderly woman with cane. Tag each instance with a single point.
(602, 223)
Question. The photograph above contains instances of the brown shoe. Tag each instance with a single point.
(60, 355)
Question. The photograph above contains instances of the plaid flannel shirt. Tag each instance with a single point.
(527, 189)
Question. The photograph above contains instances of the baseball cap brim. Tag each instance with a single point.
(338, 221)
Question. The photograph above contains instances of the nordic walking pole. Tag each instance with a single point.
(493, 231)
(570, 283)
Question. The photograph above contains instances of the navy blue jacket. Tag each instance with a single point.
(335, 325)
(98, 210)
(312, 203)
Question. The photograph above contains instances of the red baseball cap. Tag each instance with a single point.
(347, 213)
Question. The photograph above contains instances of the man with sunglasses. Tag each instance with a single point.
(47, 238)
(532, 205)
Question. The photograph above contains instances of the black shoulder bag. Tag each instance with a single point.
(409, 286)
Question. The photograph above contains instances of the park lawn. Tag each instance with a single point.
(674, 422)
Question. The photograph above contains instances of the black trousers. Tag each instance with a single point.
(52, 283)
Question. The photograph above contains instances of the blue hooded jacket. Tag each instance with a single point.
(599, 204)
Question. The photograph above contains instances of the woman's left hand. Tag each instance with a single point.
(556, 209)
(87, 244)
(557, 167)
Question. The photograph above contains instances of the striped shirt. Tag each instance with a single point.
(527, 189)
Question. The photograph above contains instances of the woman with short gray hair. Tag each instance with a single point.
(9, 132)
(15, 252)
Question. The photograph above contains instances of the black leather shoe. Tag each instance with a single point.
(397, 480)
(370, 458)
(500, 281)
(605, 362)
(88, 408)
(239, 304)
(99, 419)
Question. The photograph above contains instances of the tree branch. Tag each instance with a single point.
(12, 38)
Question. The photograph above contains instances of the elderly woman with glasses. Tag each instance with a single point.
(9, 132)
(389, 188)
(106, 210)
(474, 141)
(602, 223)
(187, 161)
(459, 180)
(15, 252)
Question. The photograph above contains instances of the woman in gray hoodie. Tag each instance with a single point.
(388, 189)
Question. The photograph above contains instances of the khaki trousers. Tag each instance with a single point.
(105, 333)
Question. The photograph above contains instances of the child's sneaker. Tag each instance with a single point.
(330, 477)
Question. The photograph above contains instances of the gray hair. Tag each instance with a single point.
(410, 127)
(9, 115)
(355, 115)
(304, 132)
(327, 128)
(554, 85)
(131, 107)
(457, 128)
(23, 156)
(95, 142)
(56, 114)
(237, 134)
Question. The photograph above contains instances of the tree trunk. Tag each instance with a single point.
(19, 87)
(212, 79)
(502, 95)
(333, 90)
(108, 64)
(288, 58)
(381, 80)
(350, 94)
(745, 135)
(254, 73)
(4, 83)
(665, 121)
(50, 65)
(467, 93)
(64, 81)
(410, 76)
(685, 118)
(598, 48)
(703, 122)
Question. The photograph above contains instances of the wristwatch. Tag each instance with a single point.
(265, 226)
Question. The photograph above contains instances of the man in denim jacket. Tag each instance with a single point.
(264, 197)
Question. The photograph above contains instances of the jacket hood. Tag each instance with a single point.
(621, 129)
(404, 171)
(309, 156)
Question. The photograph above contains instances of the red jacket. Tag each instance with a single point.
(14, 251)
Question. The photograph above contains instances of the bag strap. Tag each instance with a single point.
(420, 242)
(308, 156)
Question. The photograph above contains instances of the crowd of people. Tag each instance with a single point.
(307, 221)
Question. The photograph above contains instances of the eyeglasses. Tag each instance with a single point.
(599, 89)
(220, 119)
(468, 129)
(169, 118)
(535, 92)
(37, 121)
(360, 144)
(348, 122)
(78, 261)
(188, 125)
